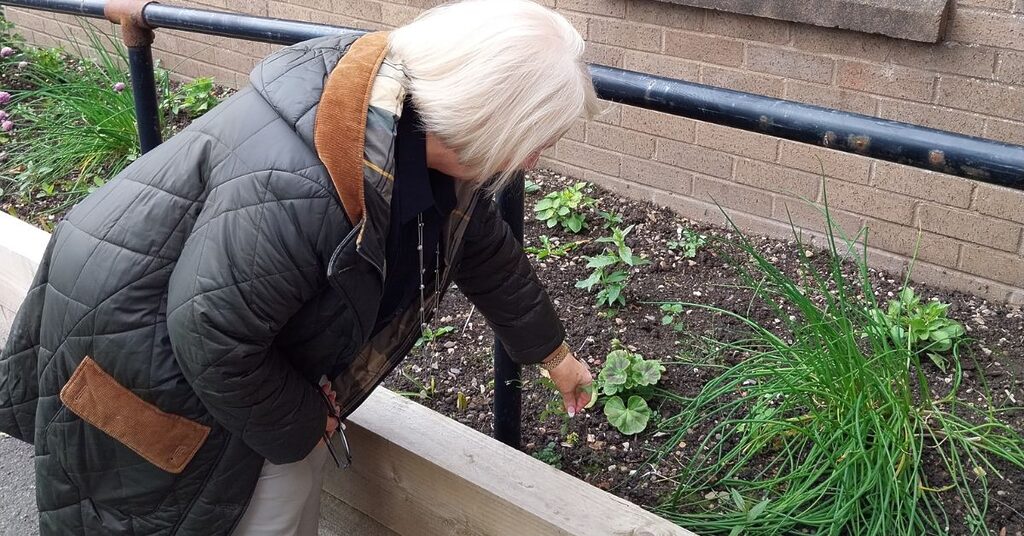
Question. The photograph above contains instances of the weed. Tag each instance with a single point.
(687, 242)
(920, 327)
(565, 207)
(430, 335)
(612, 268)
(548, 248)
(550, 455)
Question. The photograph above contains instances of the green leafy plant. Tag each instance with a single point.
(627, 417)
(687, 242)
(609, 219)
(612, 268)
(829, 429)
(671, 312)
(554, 407)
(624, 381)
(548, 248)
(194, 98)
(565, 207)
(430, 335)
(921, 327)
(425, 389)
(550, 455)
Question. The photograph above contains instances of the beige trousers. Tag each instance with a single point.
(287, 498)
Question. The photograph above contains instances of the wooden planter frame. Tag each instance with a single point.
(415, 472)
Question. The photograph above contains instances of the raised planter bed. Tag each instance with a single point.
(415, 472)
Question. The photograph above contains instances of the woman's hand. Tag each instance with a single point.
(332, 423)
(573, 380)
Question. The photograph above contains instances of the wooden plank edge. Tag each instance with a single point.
(418, 472)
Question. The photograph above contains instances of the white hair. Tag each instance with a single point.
(495, 80)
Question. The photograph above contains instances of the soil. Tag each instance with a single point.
(461, 361)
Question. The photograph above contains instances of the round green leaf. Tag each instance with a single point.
(648, 372)
(630, 418)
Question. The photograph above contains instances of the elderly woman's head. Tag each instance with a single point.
(495, 82)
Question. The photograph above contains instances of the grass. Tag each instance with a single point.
(74, 129)
(75, 118)
(826, 424)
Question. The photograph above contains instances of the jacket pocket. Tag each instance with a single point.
(167, 441)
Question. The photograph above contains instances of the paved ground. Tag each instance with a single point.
(18, 500)
(17, 489)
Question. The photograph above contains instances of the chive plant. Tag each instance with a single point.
(827, 424)
(76, 127)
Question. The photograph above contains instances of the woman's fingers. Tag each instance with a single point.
(583, 397)
(332, 397)
(576, 387)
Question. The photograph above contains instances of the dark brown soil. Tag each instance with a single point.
(461, 361)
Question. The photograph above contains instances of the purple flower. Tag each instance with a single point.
(119, 87)
(5, 97)
(3, 116)
(7, 126)
(6, 52)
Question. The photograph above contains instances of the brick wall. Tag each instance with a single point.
(971, 234)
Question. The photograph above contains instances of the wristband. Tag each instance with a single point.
(556, 357)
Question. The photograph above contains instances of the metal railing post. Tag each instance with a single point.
(508, 388)
(138, 37)
(979, 159)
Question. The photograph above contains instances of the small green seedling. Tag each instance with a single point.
(609, 219)
(565, 208)
(687, 242)
(425, 389)
(548, 248)
(921, 327)
(555, 407)
(612, 268)
(671, 314)
(430, 335)
(550, 455)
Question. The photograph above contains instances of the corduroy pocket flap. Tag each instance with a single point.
(167, 441)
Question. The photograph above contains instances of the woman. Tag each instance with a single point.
(167, 361)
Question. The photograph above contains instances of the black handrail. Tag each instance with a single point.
(975, 158)
(913, 145)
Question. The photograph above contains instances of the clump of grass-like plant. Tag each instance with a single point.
(75, 126)
(827, 423)
(72, 121)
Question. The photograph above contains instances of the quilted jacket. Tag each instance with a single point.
(182, 313)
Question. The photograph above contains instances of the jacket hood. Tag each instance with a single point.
(292, 79)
